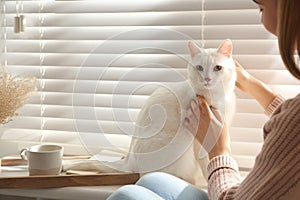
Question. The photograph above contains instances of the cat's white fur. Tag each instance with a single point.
(160, 141)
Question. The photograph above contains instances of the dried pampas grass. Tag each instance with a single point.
(14, 92)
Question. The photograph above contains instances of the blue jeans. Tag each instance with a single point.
(159, 186)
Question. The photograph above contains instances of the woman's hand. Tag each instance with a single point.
(243, 78)
(206, 123)
(256, 88)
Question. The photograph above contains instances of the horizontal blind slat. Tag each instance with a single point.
(213, 32)
(249, 135)
(100, 100)
(107, 6)
(245, 163)
(132, 5)
(245, 148)
(105, 32)
(124, 101)
(255, 47)
(249, 120)
(71, 125)
(250, 61)
(115, 19)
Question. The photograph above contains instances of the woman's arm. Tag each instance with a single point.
(256, 88)
(205, 122)
(275, 173)
(264, 95)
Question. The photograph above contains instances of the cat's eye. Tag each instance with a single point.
(218, 68)
(199, 67)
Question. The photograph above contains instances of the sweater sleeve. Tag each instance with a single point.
(276, 169)
(223, 175)
(274, 104)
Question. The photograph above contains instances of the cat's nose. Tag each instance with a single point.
(207, 79)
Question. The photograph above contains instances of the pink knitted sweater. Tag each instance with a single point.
(276, 172)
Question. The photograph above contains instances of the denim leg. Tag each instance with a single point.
(133, 192)
(170, 187)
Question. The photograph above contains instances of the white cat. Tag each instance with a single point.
(160, 141)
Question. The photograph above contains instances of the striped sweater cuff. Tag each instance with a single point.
(220, 162)
(274, 104)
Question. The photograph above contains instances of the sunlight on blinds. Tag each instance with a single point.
(148, 38)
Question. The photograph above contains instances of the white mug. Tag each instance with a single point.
(43, 159)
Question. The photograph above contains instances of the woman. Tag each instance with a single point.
(276, 172)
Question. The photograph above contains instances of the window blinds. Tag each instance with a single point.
(67, 43)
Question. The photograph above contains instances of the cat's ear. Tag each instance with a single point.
(194, 49)
(226, 48)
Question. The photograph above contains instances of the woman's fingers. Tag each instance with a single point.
(206, 123)
(192, 119)
(217, 114)
(189, 126)
(198, 118)
(192, 115)
(195, 109)
(205, 111)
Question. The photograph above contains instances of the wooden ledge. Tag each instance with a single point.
(68, 180)
(64, 180)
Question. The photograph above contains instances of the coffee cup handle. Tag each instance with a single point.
(23, 153)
